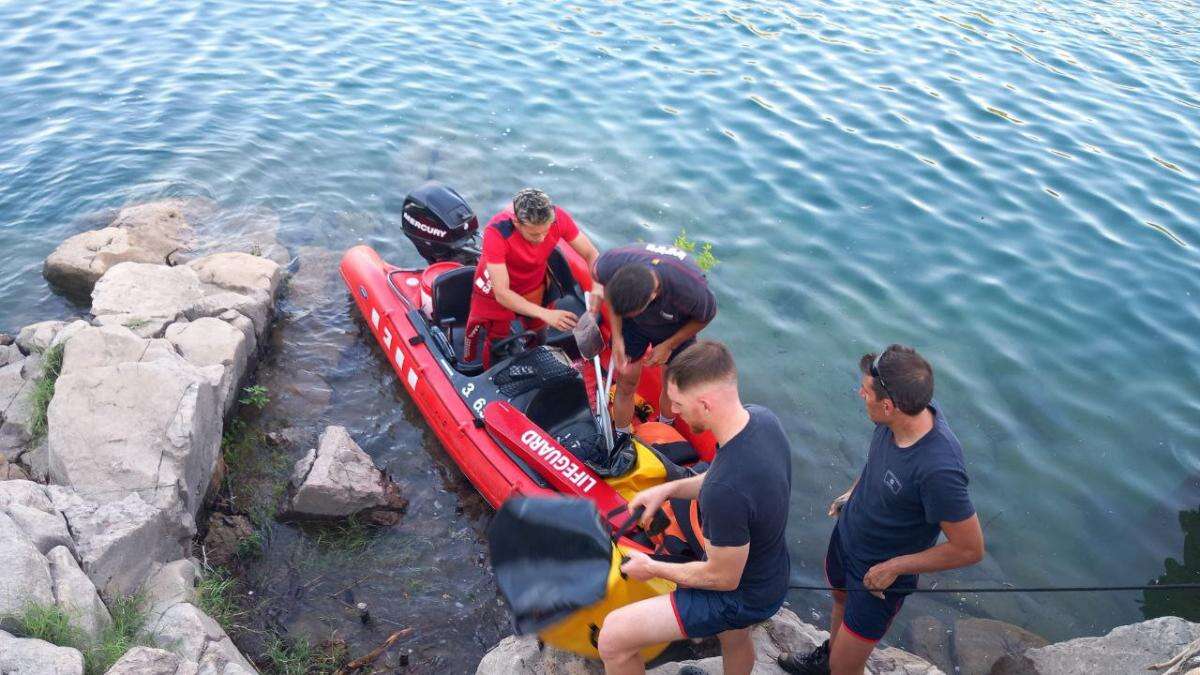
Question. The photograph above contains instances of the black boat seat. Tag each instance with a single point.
(452, 296)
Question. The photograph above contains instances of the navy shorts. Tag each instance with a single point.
(703, 613)
(636, 341)
(866, 616)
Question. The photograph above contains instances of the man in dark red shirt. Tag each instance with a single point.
(510, 279)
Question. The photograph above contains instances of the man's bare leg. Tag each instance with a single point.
(848, 653)
(836, 614)
(627, 378)
(632, 628)
(737, 652)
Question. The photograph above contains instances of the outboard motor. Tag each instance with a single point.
(440, 224)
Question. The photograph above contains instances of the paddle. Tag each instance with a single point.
(590, 343)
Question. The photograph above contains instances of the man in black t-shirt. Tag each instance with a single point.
(658, 300)
(912, 489)
(743, 577)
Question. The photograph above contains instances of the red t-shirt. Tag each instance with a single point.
(526, 262)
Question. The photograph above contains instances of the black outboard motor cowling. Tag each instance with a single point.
(440, 224)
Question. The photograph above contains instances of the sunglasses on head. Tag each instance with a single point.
(879, 378)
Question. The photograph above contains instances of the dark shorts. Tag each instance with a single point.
(866, 616)
(702, 613)
(637, 341)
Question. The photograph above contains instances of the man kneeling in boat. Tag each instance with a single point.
(510, 279)
(743, 497)
(658, 300)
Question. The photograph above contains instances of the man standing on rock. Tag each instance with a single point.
(510, 279)
(743, 497)
(913, 488)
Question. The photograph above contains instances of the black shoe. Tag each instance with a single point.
(691, 670)
(815, 662)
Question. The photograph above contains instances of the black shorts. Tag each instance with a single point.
(866, 617)
(637, 342)
(703, 613)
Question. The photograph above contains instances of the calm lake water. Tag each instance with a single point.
(1012, 188)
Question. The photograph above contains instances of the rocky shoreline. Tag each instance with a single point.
(111, 432)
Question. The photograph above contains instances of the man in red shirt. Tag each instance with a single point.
(510, 279)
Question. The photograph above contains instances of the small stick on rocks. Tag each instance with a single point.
(360, 663)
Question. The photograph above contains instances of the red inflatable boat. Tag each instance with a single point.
(526, 425)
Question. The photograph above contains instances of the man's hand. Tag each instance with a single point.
(835, 507)
(659, 355)
(880, 578)
(560, 319)
(638, 567)
(652, 500)
(596, 298)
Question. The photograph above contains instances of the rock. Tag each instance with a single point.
(10, 354)
(31, 366)
(27, 493)
(10, 471)
(930, 639)
(239, 272)
(209, 341)
(193, 636)
(37, 657)
(36, 337)
(521, 655)
(118, 543)
(113, 345)
(75, 594)
(146, 233)
(17, 430)
(6, 339)
(225, 535)
(146, 661)
(169, 585)
(289, 437)
(36, 462)
(139, 291)
(338, 479)
(69, 331)
(1126, 649)
(45, 531)
(26, 574)
(162, 447)
(142, 325)
(11, 384)
(980, 643)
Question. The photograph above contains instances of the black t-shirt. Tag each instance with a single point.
(683, 293)
(744, 498)
(902, 497)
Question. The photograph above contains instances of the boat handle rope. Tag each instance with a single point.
(1015, 589)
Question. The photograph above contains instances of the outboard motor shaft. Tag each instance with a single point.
(440, 224)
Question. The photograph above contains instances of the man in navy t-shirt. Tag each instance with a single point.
(743, 497)
(659, 300)
(912, 489)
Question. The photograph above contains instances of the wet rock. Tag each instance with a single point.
(146, 661)
(6, 339)
(118, 543)
(225, 534)
(162, 447)
(37, 657)
(46, 531)
(980, 643)
(145, 233)
(1125, 649)
(169, 585)
(26, 574)
(239, 272)
(76, 595)
(338, 479)
(209, 341)
(36, 337)
(193, 636)
(930, 639)
(289, 437)
(315, 283)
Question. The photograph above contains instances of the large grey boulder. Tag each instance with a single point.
(338, 479)
(209, 341)
(169, 584)
(26, 656)
(118, 543)
(1125, 649)
(193, 636)
(24, 573)
(146, 233)
(11, 386)
(46, 531)
(239, 272)
(149, 428)
(133, 293)
(980, 643)
(10, 354)
(146, 661)
(76, 595)
(95, 347)
(26, 493)
(36, 337)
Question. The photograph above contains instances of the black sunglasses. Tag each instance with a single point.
(879, 378)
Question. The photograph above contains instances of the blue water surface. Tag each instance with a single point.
(1011, 187)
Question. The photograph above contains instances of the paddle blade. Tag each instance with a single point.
(587, 336)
